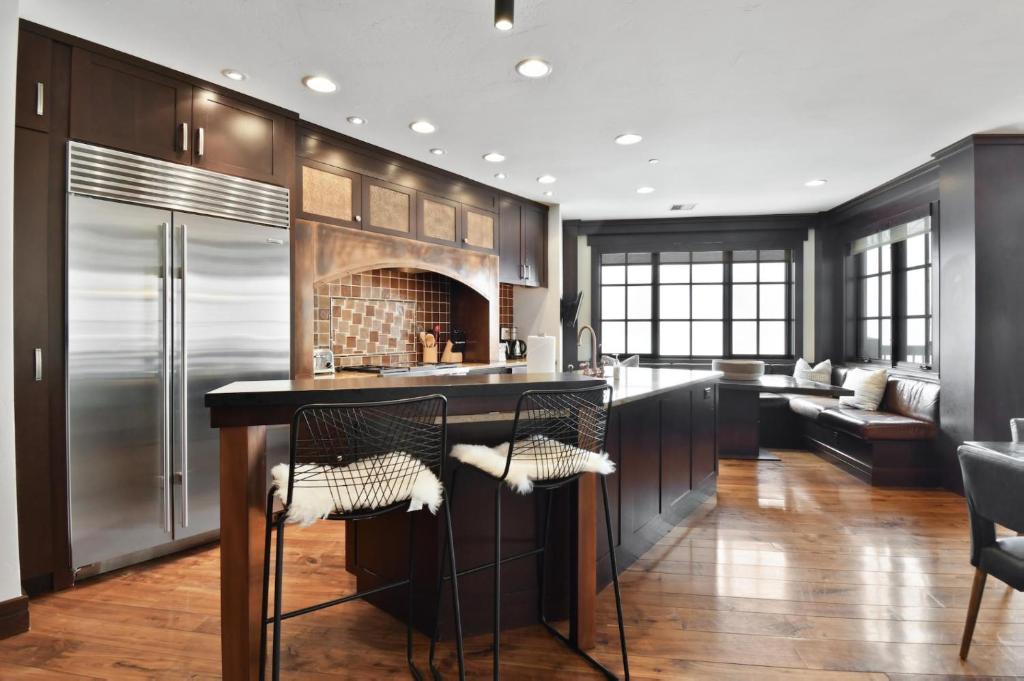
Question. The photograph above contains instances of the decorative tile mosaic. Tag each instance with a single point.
(375, 317)
(505, 319)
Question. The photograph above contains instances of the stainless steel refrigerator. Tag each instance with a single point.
(177, 283)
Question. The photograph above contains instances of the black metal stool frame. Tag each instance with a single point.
(279, 523)
(549, 486)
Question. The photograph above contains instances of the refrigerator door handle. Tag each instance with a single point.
(183, 380)
(167, 490)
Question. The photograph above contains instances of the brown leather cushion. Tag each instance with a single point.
(773, 401)
(909, 397)
(810, 406)
(877, 425)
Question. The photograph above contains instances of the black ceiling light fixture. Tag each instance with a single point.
(503, 14)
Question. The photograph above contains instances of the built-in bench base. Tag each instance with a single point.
(883, 463)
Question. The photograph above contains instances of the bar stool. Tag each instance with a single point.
(355, 462)
(558, 435)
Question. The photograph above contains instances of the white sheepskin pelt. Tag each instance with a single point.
(322, 490)
(531, 460)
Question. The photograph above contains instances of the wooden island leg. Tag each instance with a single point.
(586, 565)
(243, 493)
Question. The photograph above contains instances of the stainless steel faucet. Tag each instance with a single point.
(594, 368)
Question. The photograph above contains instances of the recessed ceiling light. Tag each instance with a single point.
(504, 11)
(500, 176)
(422, 127)
(815, 183)
(645, 190)
(628, 138)
(494, 157)
(437, 152)
(533, 68)
(683, 206)
(653, 161)
(233, 74)
(547, 179)
(356, 120)
(319, 84)
(549, 193)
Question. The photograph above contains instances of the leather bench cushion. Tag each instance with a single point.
(877, 425)
(773, 400)
(811, 406)
(908, 397)
(1005, 561)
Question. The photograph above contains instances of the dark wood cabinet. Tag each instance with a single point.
(533, 246)
(614, 448)
(640, 474)
(675, 448)
(123, 106)
(522, 233)
(438, 220)
(388, 208)
(479, 230)
(328, 194)
(35, 61)
(32, 374)
(703, 438)
(234, 138)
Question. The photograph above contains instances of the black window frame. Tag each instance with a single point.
(897, 303)
(792, 293)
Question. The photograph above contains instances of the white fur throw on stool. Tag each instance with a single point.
(526, 463)
(322, 490)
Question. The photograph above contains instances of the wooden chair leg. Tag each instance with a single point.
(977, 589)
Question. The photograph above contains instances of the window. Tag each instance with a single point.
(697, 304)
(893, 272)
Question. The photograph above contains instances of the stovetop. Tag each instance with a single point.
(392, 369)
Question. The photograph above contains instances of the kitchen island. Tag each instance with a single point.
(661, 436)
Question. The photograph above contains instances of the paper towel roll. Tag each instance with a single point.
(540, 354)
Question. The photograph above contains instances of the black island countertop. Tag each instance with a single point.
(468, 394)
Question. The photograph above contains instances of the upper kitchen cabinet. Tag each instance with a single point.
(522, 233)
(479, 230)
(438, 220)
(329, 194)
(533, 233)
(32, 103)
(145, 110)
(237, 139)
(123, 106)
(388, 208)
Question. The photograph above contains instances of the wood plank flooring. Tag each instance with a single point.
(798, 571)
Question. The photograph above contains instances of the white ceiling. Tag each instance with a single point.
(742, 100)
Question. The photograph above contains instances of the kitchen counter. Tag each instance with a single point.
(513, 366)
(660, 435)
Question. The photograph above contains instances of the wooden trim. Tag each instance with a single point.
(14, 616)
(778, 222)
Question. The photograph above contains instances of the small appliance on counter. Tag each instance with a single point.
(455, 346)
(514, 347)
(323, 361)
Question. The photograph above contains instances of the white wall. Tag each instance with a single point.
(536, 310)
(10, 578)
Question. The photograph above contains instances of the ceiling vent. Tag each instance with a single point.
(683, 206)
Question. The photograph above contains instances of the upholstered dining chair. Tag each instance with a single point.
(993, 484)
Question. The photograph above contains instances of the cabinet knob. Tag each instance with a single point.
(200, 141)
(359, 218)
(40, 97)
(184, 136)
(465, 239)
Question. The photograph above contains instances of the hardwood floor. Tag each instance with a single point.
(799, 571)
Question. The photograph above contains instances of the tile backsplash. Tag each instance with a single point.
(373, 317)
(505, 306)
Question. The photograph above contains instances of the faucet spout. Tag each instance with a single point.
(595, 368)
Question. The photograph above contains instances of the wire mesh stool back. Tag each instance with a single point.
(367, 454)
(555, 431)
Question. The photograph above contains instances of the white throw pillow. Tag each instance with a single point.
(868, 389)
(821, 372)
